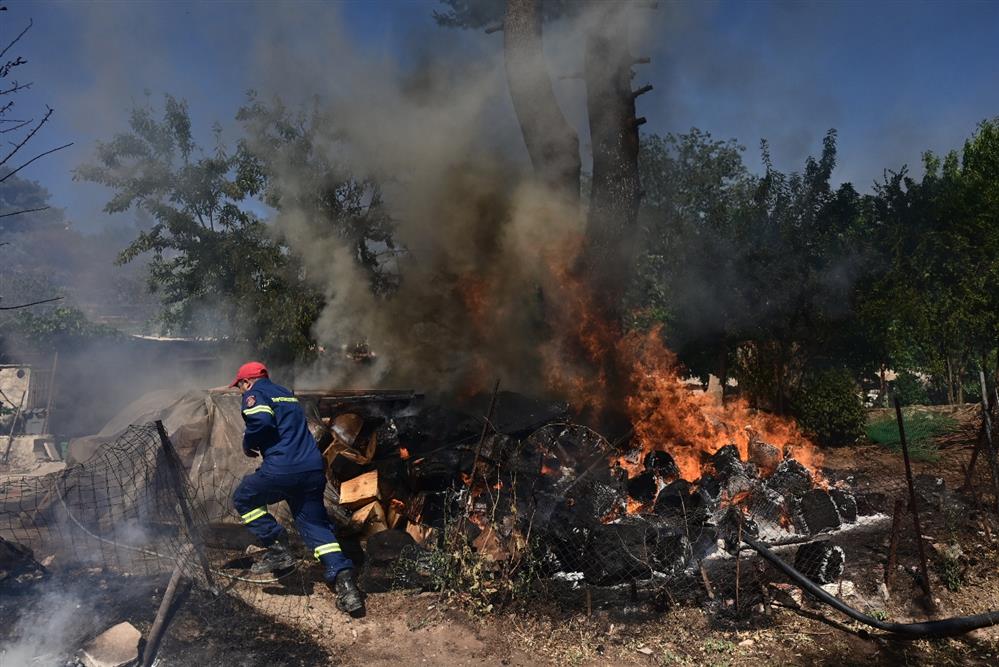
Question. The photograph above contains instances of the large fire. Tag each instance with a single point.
(665, 414)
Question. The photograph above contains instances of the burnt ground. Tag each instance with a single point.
(424, 629)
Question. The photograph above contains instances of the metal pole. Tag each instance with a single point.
(48, 403)
(176, 473)
(13, 425)
(912, 502)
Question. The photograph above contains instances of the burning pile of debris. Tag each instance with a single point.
(526, 479)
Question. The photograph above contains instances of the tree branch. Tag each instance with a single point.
(641, 91)
(495, 27)
(15, 86)
(42, 122)
(40, 155)
(26, 210)
(33, 303)
(19, 125)
(19, 36)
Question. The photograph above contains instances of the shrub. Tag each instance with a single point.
(911, 389)
(829, 408)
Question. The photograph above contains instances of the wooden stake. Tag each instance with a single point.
(176, 472)
(912, 502)
(162, 616)
(478, 447)
(707, 582)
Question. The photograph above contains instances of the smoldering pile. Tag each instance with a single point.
(526, 482)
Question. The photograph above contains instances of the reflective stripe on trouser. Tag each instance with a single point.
(324, 549)
(253, 515)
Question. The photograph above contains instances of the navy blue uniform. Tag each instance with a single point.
(293, 470)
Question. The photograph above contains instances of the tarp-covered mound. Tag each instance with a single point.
(206, 428)
(183, 413)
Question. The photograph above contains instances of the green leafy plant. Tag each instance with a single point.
(829, 407)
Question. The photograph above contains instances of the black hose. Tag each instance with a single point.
(947, 627)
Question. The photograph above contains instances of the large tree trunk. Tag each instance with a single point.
(552, 143)
(616, 189)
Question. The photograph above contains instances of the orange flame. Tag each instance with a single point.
(664, 413)
(403, 453)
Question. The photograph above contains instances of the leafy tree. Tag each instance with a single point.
(214, 263)
(749, 273)
(934, 302)
(695, 188)
(291, 154)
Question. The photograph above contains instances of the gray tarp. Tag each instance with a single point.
(206, 428)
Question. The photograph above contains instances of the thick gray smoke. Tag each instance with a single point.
(442, 138)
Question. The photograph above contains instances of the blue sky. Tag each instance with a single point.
(895, 78)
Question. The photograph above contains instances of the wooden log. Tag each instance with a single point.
(360, 491)
(370, 519)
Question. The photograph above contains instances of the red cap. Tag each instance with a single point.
(249, 371)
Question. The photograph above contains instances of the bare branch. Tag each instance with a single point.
(25, 210)
(33, 303)
(641, 91)
(641, 120)
(20, 124)
(15, 86)
(19, 36)
(42, 122)
(644, 60)
(495, 27)
(11, 64)
(40, 155)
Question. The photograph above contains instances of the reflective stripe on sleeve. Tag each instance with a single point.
(284, 399)
(253, 515)
(258, 409)
(324, 549)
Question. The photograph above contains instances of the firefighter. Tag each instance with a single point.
(293, 471)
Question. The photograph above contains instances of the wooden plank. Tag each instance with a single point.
(360, 491)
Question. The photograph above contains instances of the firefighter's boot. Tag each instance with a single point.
(348, 597)
(277, 557)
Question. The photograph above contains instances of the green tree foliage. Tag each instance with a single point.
(292, 156)
(935, 301)
(695, 188)
(213, 261)
(749, 273)
(47, 329)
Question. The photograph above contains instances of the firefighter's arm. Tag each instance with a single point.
(261, 427)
